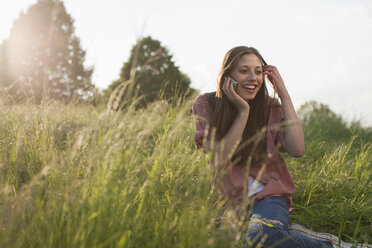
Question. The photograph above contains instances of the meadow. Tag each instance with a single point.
(81, 176)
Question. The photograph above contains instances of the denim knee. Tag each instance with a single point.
(263, 232)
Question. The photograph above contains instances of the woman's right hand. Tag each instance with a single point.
(241, 104)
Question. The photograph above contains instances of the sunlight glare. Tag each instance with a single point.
(9, 11)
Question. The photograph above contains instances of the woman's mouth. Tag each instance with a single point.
(250, 87)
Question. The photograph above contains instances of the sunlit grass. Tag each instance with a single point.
(72, 176)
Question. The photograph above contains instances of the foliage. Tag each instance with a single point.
(328, 124)
(150, 74)
(42, 56)
(71, 176)
(320, 121)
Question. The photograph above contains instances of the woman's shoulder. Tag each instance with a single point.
(203, 105)
(205, 101)
(205, 98)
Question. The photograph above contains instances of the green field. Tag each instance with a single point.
(78, 176)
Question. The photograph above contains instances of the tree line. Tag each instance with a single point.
(42, 59)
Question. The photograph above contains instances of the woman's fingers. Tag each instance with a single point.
(275, 78)
(271, 74)
(228, 88)
(238, 101)
(226, 85)
(272, 69)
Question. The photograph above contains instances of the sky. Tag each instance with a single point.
(322, 48)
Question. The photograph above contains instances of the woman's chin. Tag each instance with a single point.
(249, 98)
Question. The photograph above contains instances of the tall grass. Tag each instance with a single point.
(73, 176)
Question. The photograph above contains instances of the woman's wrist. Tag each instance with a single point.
(283, 94)
(243, 112)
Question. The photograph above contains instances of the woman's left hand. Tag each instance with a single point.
(275, 79)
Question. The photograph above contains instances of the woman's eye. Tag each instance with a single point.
(243, 71)
(258, 72)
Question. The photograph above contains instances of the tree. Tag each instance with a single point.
(318, 119)
(149, 74)
(42, 56)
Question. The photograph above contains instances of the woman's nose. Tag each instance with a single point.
(251, 76)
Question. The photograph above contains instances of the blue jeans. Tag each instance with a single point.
(268, 226)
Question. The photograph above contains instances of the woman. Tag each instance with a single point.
(245, 129)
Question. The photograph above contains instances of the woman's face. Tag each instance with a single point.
(248, 73)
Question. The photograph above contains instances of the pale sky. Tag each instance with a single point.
(322, 48)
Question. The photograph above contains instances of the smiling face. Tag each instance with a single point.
(248, 73)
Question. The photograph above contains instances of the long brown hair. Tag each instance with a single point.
(225, 112)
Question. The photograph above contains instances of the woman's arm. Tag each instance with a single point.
(294, 137)
(224, 149)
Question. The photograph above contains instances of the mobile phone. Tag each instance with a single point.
(234, 82)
